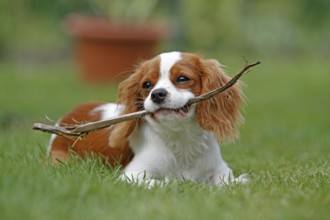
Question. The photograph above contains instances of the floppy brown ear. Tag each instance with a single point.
(130, 98)
(220, 114)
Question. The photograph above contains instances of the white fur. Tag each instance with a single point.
(175, 146)
(109, 110)
(167, 60)
(51, 141)
(177, 150)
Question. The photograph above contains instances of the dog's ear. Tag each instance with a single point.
(129, 96)
(220, 114)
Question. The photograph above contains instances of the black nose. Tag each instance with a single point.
(158, 95)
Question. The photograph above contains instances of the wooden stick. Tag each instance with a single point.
(217, 91)
(83, 129)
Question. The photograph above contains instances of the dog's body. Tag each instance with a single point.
(175, 141)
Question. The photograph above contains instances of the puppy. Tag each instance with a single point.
(176, 141)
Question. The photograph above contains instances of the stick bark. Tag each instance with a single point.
(83, 129)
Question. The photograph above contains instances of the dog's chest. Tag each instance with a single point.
(186, 147)
(186, 151)
(181, 151)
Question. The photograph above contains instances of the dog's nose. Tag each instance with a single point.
(158, 95)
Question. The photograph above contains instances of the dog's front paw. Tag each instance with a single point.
(242, 179)
(141, 179)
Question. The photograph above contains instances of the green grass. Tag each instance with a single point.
(284, 146)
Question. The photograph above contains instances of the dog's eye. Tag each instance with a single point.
(182, 79)
(147, 85)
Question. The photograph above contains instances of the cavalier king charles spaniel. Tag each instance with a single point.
(176, 141)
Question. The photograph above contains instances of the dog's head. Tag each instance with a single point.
(164, 85)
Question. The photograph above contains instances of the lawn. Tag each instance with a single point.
(284, 146)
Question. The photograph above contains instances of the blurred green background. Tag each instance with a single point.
(31, 29)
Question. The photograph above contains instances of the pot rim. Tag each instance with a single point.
(98, 27)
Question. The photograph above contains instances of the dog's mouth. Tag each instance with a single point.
(180, 111)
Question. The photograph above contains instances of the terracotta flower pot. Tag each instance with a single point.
(107, 51)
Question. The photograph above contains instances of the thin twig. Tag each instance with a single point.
(227, 86)
(62, 131)
(92, 126)
(83, 129)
